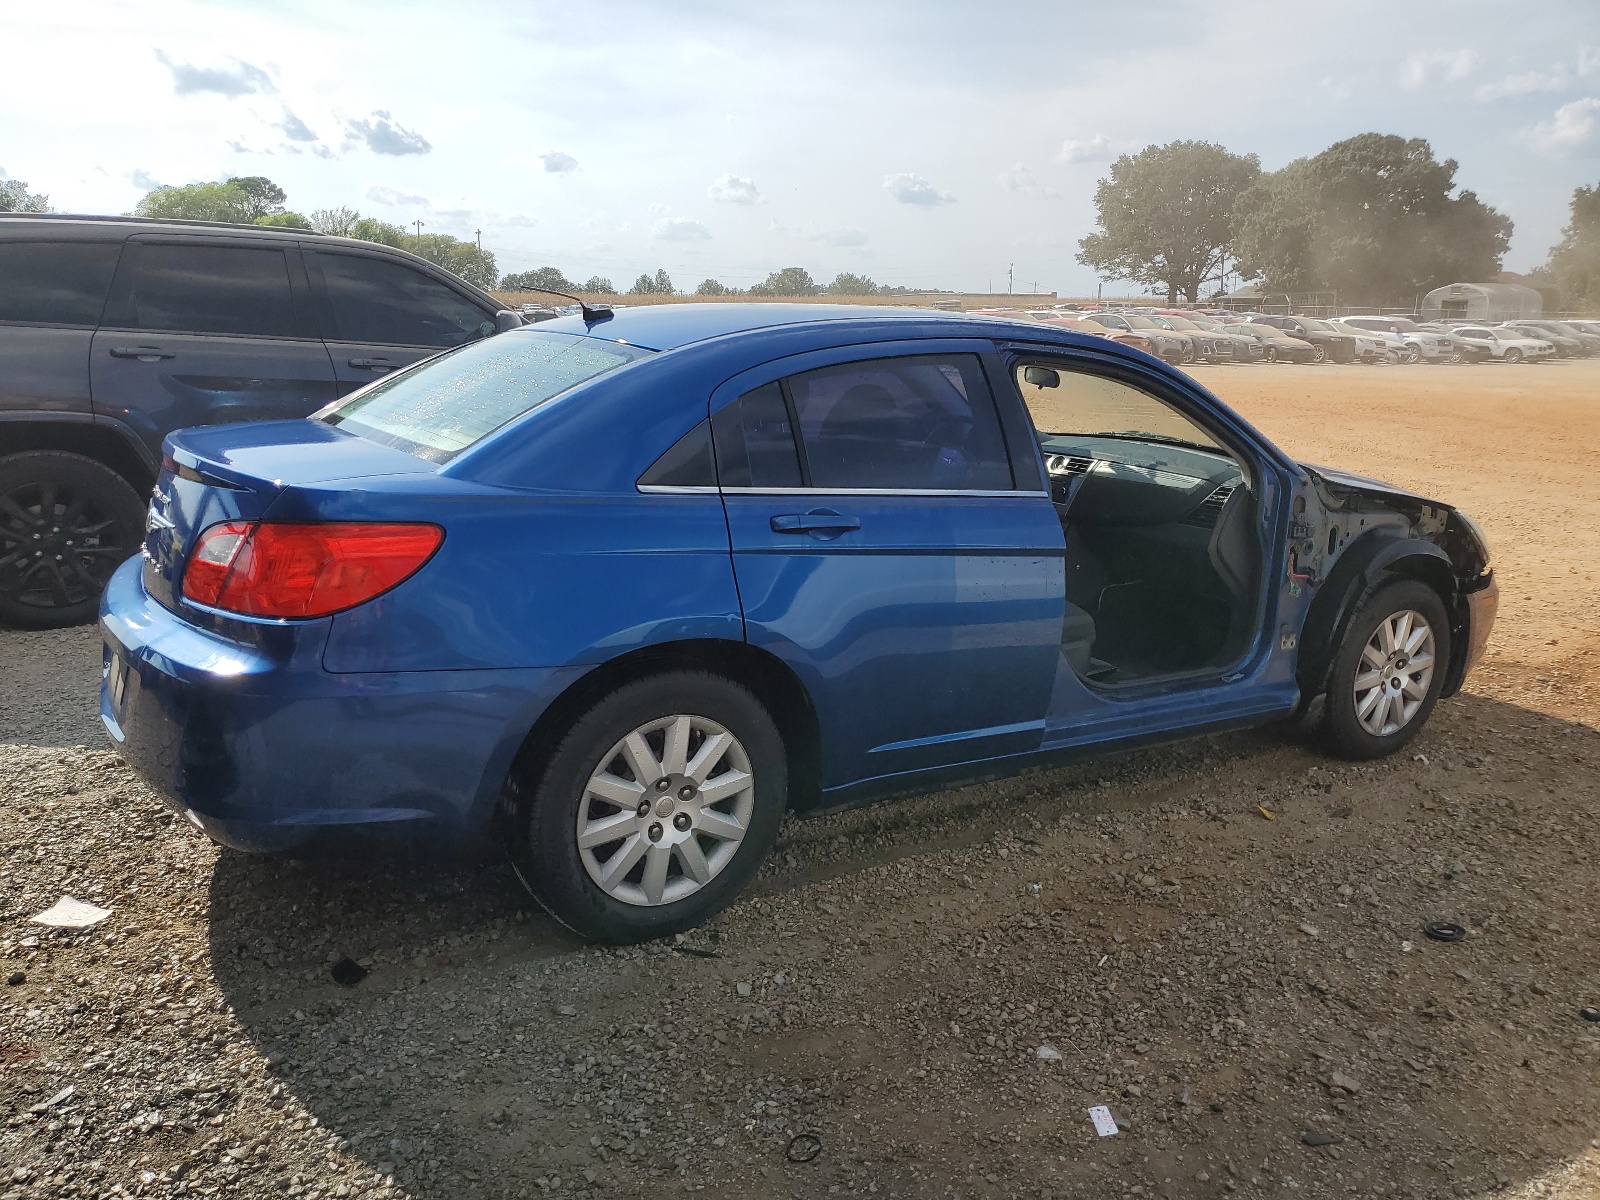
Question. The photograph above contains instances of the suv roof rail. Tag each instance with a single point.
(119, 218)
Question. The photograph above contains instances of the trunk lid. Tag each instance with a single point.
(236, 472)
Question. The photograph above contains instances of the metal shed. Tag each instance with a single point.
(1482, 302)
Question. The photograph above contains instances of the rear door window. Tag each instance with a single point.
(55, 283)
(378, 301)
(923, 423)
(219, 289)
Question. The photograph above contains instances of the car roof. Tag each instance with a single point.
(669, 326)
(71, 220)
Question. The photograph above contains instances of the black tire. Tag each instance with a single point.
(66, 523)
(1410, 355)
(551, 862)
(1272, 354)
(1513, 355)
(1319, 352)
(1342, 731)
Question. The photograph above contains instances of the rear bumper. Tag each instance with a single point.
(262, 747)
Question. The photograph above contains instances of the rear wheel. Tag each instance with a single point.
(1513, 355)
(1388, 673)
(66, 523)
(1271, 354)
(657, 807)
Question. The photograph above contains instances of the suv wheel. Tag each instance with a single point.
(657, 807)
(1388, 673)
(1513, 355)
(1410, 355)
(66, 523)
(1319, 352)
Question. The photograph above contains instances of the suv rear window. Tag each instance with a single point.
(211, 288)
(55, 283)
(439, 408)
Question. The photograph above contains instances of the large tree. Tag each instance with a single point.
(846, 283)
(1371, 218)
(541, 279)
(241, 200)
(15, 197)
(463, 259)
(1166, 216)
(1574, 264)
(791, 281)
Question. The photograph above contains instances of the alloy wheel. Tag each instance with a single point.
(1394, 673)
(1513, 355)
(666, 810)
(57, 545)
(1319, 353)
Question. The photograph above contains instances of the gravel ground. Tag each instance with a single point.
(937, 989)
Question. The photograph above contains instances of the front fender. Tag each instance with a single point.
(1362, 564)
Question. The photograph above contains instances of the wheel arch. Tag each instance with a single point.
(108, 444)
(1364, 563)
(775, 685)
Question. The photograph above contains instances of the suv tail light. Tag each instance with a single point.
(292, 570)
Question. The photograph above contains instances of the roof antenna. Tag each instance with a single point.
(592, 313)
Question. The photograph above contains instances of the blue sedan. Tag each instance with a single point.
(625, 587)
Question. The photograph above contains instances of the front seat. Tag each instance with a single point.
(1077, 637)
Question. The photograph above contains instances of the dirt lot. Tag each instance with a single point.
(1225, 982)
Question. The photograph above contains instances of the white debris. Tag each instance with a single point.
(1047, 1053)
(67, 913)
(1104, 1123)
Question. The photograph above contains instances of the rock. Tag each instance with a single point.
(1589, 1014)
(17, 978)
(1312, 1138)
(1047, 1053)
(1310, 930)
(1343, 1083)
(742, 988)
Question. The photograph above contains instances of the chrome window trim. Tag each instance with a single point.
(674, 490)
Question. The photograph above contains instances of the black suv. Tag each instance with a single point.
(115, 331)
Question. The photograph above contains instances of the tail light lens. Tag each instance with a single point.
(312, 570)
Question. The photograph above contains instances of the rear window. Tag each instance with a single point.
(438, 409)
(55, 283)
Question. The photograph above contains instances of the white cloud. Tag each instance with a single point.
(1423, 66)
(1588, 61)
(241, 79)
(849, 235)
(679, 229)
(1099, 148)
(733, 189)
(139, 177)
(1572, 128)
(1022, 180)
(384, 135)
(381, 194)
(914, 189)
(557, 162)
(1526, 84)
(295, 129)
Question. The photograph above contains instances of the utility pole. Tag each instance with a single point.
(419, 236)
(1010, 274)
(479, 234)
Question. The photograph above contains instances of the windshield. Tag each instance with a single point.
(1319, 326)
(1141, 322)
(1180, 323)
(438, 409)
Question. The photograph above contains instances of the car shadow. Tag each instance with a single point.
(456, 1061)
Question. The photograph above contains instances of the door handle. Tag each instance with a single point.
(820, 521)
(142, 353)
(374, 364)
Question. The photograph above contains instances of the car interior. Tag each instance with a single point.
(1163, 550)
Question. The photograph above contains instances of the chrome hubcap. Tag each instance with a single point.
(1394, 673)
(665, 811)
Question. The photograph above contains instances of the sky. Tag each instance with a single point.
(921, 142)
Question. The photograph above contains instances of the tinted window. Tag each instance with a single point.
(55, 283)
(755, 442)
(378, 300)
(440, 408)
(204, 289)
(925, 422)
(686, 464)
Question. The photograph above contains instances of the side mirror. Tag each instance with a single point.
(506, 319)
(1041, 377)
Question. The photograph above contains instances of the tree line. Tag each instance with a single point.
(1375, 218)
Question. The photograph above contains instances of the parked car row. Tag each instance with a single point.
(1185, 336)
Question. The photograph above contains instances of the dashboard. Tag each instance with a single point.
(1112, 481)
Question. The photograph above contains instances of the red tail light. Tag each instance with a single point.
(283, 570)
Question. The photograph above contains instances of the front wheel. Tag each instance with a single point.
(657, 807)
(1388, 672)
(1272, 354)
(1410, 355)
(1319, 353)
(1513, 355)
(66, 523)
